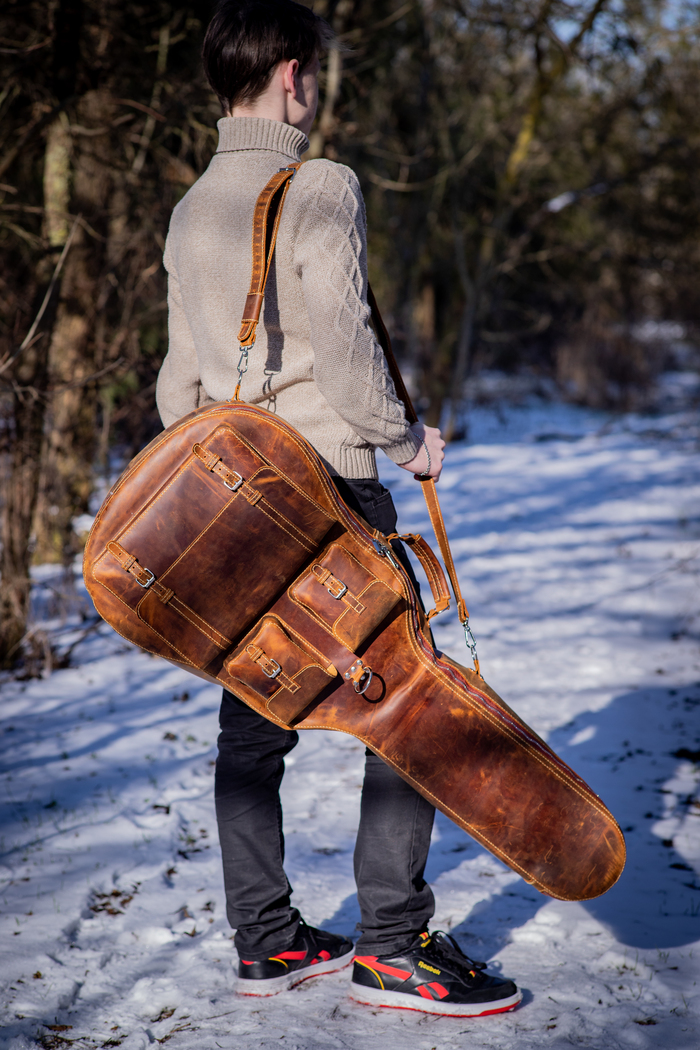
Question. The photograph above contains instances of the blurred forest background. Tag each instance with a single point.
(531, 175)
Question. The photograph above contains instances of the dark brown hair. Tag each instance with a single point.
(246, 39)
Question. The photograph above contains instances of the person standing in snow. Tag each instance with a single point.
(317, 364)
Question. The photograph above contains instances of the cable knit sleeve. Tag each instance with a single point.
(350, 369)
(178, 385)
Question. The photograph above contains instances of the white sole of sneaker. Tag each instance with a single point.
(406, 1001)
(274, 985)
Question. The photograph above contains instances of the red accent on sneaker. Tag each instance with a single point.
(323, 956)
(383, 968)
(290, 955)
(248, 962)
(439, 988)
(422, 990)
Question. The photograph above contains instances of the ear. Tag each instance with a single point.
(290, 77)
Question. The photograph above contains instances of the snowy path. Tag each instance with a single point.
(579, 550)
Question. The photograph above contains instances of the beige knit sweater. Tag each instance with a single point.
(316, 361)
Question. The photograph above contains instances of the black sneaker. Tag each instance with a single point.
(313, 952)
(433, 976)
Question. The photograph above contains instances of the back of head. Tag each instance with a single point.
(247, 39)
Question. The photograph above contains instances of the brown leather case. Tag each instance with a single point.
(224, 547)
(220, 570)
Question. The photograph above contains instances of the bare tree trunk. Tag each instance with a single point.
(28, 368)
(326, 122)
(71, 432)
(26, 438)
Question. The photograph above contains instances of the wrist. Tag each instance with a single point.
(405, 450)
(426, 473)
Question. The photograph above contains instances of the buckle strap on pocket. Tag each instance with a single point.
(143, 576)
(231, 478)
(270, 667)
(336, 588)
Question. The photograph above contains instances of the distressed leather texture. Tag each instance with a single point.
(226, 549)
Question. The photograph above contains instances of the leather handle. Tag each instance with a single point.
(432, 569)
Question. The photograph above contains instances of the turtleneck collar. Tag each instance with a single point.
(251, 133)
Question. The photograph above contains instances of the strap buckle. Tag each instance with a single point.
(237, 484)
(342, 588)
(275, 668)
(148, 583)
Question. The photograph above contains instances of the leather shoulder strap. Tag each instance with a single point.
(266, 221)
(429, 489)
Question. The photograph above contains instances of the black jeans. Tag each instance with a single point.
(395, 821)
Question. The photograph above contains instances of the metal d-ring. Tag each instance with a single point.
(368, 674)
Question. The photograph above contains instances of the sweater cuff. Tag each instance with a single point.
(404, 450)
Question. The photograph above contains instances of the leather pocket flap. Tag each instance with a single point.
(280, 670)
(345, 595)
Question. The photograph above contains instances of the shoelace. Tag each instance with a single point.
(448, 946)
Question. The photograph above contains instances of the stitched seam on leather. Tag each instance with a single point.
(131, 641)
(281, 689)
(196, 539)
(305, 540)
(347, 610)
(293, 678)
(349, 554)
(434, 579)
(361, 532)
(439, 804)
(307, 608)
(440, 590)
(305, 646)
(167, 642)
(303, 448)
(531, 747)
(268, 465)
(135, 612)
(331, 492)
(178, 605)
(331, 627)
(154, 499)
(175, 602)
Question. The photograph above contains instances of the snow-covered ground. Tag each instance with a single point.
(578, 542)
